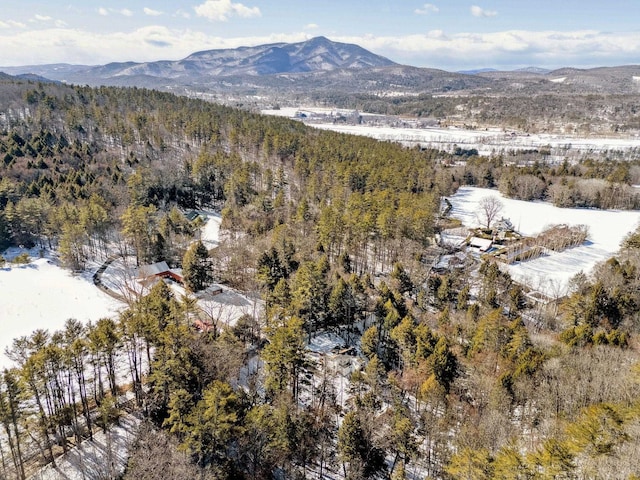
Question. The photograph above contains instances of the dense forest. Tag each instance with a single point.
(448, 375)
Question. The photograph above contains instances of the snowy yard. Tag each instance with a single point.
(210, 234)
(550, 274)
(42, 295)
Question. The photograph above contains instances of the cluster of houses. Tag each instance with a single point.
(149, 274)
(469, 242)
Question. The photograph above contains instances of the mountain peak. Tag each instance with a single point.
(319, 39)
(315, 54)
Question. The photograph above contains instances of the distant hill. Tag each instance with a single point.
(477, 70)
(539, 70)
(324, 68)
(318, 63)
(35, 78)
(316, 54)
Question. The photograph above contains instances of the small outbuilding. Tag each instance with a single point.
(192, 215)
(481, 244)
(203, 326)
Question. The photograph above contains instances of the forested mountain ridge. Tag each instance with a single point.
(317, 64)
(595, 101)
(314, 55)
(324, 65)
(450, 377)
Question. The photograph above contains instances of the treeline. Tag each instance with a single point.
(69, 383)
(583, 183)
(63, 145)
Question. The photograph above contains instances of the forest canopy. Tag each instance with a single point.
(437, 374)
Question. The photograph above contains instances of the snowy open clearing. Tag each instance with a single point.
(550, 274)
(43, 295)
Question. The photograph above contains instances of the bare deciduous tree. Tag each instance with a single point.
(155, 455)
(488, 210)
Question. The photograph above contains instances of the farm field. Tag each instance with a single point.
(551, 274)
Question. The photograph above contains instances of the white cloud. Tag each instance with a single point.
(107, 11)
(221, 10)
(151, 12)
(12, 24)
(507, 49)
(311, 26)
(37, 18)
(437, 49)
(436, 34)
(91, 48)
(427, 9)
(182, 13)
(477, 11)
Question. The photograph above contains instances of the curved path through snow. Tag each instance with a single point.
(97, 279)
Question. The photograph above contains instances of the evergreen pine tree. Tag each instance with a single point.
(196, 267)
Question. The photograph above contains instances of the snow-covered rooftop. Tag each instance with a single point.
(153, 269)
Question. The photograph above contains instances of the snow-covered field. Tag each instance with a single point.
(41, 295)
(485, 141)
(550, 274)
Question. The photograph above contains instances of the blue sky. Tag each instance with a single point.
(446, 34)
